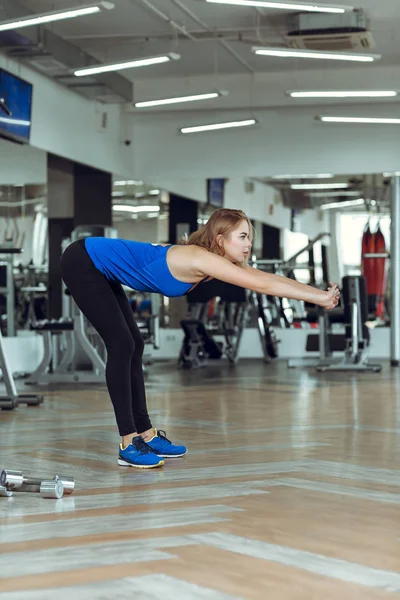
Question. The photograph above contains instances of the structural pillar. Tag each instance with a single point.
(77, 195)
(395, 274)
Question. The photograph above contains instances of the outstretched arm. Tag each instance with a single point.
(264, 283)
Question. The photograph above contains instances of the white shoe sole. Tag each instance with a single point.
(125, 463)
(172, 455)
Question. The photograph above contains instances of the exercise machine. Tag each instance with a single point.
(60, 339)
(7, 286)
(288, 313)
(268, 337)
(353, 343)
(215, 309)
(12, 399)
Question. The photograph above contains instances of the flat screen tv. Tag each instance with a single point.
(15, 108)
(215, 192)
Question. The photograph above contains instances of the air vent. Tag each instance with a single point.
(47, 64)
(334, 41)
(319, 31)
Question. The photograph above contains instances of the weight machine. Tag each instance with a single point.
(228, 321)
(353, 343)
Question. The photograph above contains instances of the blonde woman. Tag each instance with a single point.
(94, 270)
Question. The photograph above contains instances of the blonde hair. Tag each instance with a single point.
(222, 222)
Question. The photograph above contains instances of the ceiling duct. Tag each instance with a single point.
(295, 200)
(347, 31)
(55, 57)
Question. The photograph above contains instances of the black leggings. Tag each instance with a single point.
(106, 306)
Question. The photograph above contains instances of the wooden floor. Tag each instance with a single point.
(290, 490)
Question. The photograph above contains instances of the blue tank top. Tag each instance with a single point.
(138, 265)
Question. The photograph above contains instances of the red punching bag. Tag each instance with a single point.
(380, 272)
(367, 264)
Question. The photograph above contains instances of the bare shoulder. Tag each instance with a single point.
(187, 251)
(221, 268)
(183, 262)
(202, 260)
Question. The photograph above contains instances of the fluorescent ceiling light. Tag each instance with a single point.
(135, 209)
(334, 194)
(131, 64)
(386, 121)
(128, 182)
(11, 121)
(180, 99)
(308, 6)
(392, 174)
(293, 53)
(137, 195)
(319, 186)
(342, 204)
(149, 193)
(55, 15)
(302, 176)
(343, 94)
(215, 126)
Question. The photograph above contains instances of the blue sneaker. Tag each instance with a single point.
(161, 445)
(138, 454)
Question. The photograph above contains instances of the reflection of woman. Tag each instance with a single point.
(94, 269)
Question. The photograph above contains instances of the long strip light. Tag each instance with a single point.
(319, 186)
(303, 176)
(334, 194)
(293, 53)
(128, 182)
(343, 94)
(214, 126)
(56, 15)
(386, 121)
(309, 7)
(135, 209)
(154, 192)
(149, 193)
(179, 99)
(130, 64)
(11, 121)
(344, 204)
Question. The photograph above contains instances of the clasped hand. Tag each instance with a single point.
(332, 296)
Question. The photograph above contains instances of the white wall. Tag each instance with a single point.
(284, 140)
(68, 125)
(21, 164)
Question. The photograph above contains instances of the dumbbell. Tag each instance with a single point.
(14, 481)
(55, 488)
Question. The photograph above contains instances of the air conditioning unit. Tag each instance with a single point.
(329, 32)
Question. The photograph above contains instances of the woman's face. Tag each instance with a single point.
(237, 245)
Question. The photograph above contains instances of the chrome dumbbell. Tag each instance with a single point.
(15, 479)
(48, 488)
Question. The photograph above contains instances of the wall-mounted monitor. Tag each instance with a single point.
(215, 192)
(15, 108)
